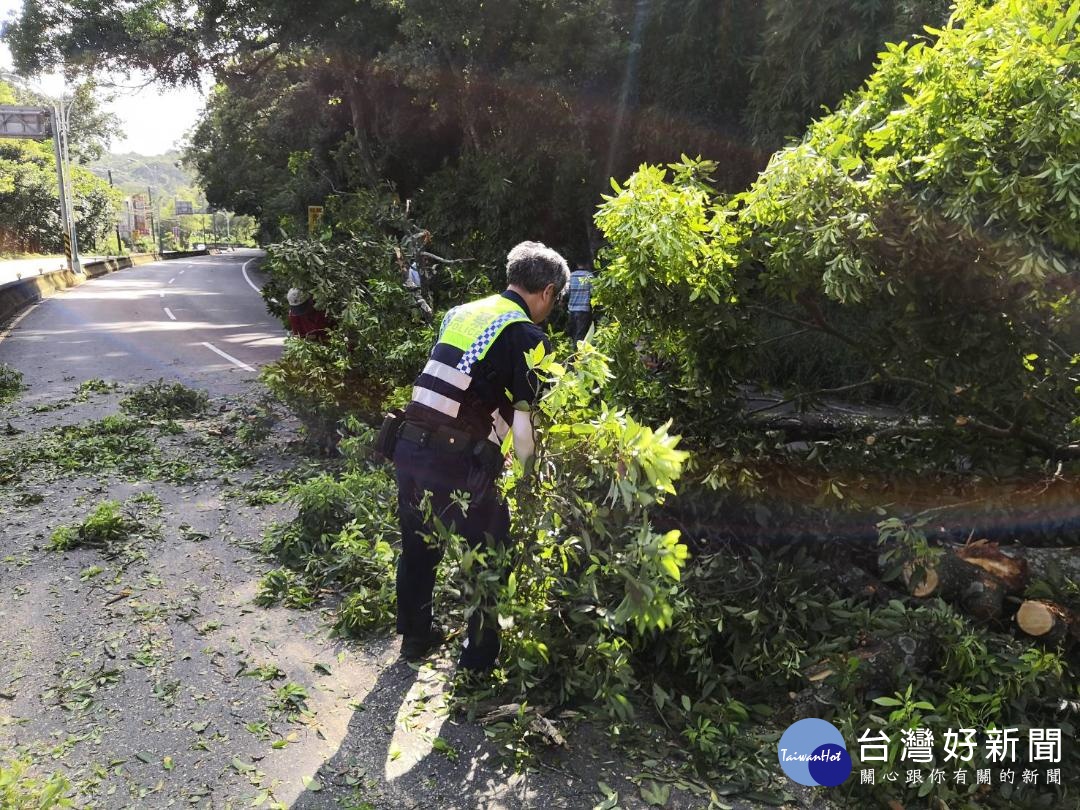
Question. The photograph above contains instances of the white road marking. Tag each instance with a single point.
(171, 280)
(180, 273)
(169, 313)
(161, 294)
(243, 269)
(228, 357)
(17, 321)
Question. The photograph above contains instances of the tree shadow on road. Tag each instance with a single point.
(403, 751)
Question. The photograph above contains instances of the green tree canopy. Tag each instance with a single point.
(29, 196)
(502, 120)
(927, 229)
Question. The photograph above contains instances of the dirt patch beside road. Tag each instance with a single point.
(143, 671)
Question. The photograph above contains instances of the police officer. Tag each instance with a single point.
(475, 389)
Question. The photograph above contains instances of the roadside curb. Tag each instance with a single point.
(16, 296)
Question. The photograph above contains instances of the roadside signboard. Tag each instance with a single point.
(24, 122)
(183, 208)
(314, 217)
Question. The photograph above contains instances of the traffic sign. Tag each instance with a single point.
(24, 122)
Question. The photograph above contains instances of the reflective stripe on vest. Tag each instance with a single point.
(466, 334)
(499, 428)
(441, 371)
(437, 402)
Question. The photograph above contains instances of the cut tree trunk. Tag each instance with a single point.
(1055, 566)
(978, 576)
(1059, 568)
(1011, 571)
(1047, 621)
(859, 583)
(963, 582)
(877, 666)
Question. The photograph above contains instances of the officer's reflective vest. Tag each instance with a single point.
(465, 336)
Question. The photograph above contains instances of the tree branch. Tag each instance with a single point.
(816, 326)
(767, 341)
(809, 394)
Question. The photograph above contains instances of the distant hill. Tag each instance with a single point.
(167, 179)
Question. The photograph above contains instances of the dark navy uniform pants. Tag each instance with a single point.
(487, 520)
(577, 324)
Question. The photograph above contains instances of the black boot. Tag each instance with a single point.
(413, 648)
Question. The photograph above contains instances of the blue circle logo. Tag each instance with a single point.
(812, 752)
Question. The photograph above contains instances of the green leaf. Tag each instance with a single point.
(887, 701)
(656, 794)
(671, 568)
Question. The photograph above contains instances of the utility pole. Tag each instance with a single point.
(65, 125)
(154, 233)
(71, 248)
(119, 246)
(28, 122)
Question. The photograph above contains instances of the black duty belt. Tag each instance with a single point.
(446, 439)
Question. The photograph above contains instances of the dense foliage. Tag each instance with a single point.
(29, 197)
(380, 337)
(914, 254)
(21, 791)
(860, 265)
(500, 120)
(926, 231)
(599, 607)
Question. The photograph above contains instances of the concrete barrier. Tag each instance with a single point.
(15, 296)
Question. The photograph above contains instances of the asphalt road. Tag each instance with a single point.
(200, 321)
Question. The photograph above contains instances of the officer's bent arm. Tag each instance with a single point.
(524, 440)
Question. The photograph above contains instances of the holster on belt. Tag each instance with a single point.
(489, 455)
(445, 439)
(386, 441)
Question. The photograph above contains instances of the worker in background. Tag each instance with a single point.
(579, 307)
(305, 321)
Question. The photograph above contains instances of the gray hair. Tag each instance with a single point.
(533, 265)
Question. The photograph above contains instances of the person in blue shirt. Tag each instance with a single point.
(409, 259)
(579, 306)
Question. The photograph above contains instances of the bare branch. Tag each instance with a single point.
(812, 394)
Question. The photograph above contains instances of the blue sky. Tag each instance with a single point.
(153, 119)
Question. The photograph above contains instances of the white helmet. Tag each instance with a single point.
(296, 297)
